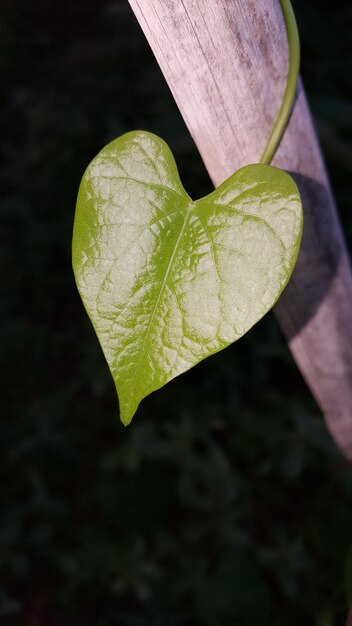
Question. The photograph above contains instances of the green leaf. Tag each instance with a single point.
(168, 281)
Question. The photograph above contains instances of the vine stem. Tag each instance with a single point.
(291, 84)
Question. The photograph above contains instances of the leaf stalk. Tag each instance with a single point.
(291, 84)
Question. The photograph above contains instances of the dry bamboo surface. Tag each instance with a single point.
(226, 63)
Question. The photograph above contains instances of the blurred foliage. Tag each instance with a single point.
(226, 502)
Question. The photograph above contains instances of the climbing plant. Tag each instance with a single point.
(168, 281)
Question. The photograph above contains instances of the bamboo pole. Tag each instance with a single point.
(226, 65)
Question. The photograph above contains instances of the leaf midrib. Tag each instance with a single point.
(162, 287)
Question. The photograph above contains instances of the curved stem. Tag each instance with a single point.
(293, 70)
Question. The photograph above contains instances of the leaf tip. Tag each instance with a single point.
(125, 418)
(127, 412)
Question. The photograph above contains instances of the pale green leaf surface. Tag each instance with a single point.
(167, 281)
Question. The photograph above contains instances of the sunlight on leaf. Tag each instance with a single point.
(168, 281)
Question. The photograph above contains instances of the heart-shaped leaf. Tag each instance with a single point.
(167, 281)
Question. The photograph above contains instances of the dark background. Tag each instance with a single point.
(226, 502)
